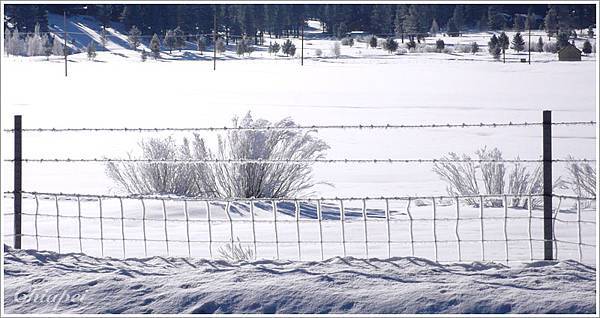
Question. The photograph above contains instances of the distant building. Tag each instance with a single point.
(569, 53)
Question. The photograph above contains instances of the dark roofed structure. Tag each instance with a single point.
(569, 53)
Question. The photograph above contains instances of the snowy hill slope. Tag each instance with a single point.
(337, 285)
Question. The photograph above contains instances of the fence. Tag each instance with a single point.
(443, 228)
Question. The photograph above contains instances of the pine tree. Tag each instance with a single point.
(144, 55)
(452, 28)
(169, 40)
(503, 43)
(240, 47)
(155, 46)
(336, 50)
(391, 45)
(134, 37)
(519, 23)
(590, 32)
(57, 47)
(220, 46)
(439, 45)
(201, 43)
(179, 38)
(459, 17)
(562, 39)
(288, 48)
(551, 22)
(587, 47)
(494, 47)
(103, 38)
(91, 50)
(434, 28)
(517, 42)
(47, 48)
(539, 45)
(373, 41)
(474, 47)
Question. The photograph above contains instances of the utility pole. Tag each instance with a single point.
(17, 182)
(302, 56)
(529, 43)
(547, 180)
(215, 43)
(66, 47)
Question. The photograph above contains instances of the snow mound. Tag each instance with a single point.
(92, 285)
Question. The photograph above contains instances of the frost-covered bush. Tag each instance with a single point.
(273, 48)
(91, 50)
(550, 47)
(402, 51)
(335, 49)
(587, 47)
(220, 46)
(474, 47)
(439, 45)
(348, 41)
(390, 45)
(581, 178)
(381, 43)
(463, 48)
(448, 50)
(318, 52)
(221, 180)
(235, 252)
(471, 178)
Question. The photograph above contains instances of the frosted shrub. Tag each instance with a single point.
(380, 43)
(402, 51)
(550, 47)
(448, 50)
(348, 41)
(318, 52)
(335, 49)
(469, 178)
(235, 252)
(463, 48)
(581, 178)
(221, 180)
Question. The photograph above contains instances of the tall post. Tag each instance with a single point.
(547, 167)
(215, 43)
(65, 49)
(302, 56)
(17, 183)
(529, 46)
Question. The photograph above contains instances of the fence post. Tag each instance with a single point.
(17, 182)
(547, 167)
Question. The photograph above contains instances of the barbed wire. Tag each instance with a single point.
(307, 127)
(286, 161)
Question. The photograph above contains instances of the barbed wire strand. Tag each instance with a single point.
(307, 127)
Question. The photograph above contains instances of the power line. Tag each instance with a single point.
(307, 127)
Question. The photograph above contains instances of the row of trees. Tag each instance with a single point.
(278, 20)
(33, 44)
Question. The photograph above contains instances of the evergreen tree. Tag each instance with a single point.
(494, 47)
(134, 37)
(451, 27)
(144, 55)
(474, 47)
(169, 40)
(410, 23)
(342, 30)
(57, 47)
(551, 22)
(48, 48)
(155, 46)
(391, 45)
(482, 24)
(201, 43)
(435, 29)
(373, 41)
(503, 43)
(587, 47)
(288, 48)
(401, 12)
(519, 22)
(562, 39)
(274, 48)
(590, 32)
(91, 50)
(439, 45)
(495, 19)
(103, 37)
(240, 47)
(529, 21)
(411, 44)
(517, 42)
(458, 17)
(539, 47)
(179, 38)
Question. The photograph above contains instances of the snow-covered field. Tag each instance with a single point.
(84, 284)
(363, 86)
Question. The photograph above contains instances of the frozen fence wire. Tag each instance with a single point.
(289, 161)
(305, 127)
(319, 227)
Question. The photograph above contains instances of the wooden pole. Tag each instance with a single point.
(302, 56)
(547, 169)
(17, 182)
(66, 47)
(530, 43)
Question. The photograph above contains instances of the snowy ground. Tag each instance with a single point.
(75, 283)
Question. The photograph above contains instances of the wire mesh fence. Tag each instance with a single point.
(445, 229)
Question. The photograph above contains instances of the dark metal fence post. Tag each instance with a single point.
(17, 183)
(547, 163)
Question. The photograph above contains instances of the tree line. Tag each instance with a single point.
(277, 20)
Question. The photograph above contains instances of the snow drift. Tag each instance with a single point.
(84, 284)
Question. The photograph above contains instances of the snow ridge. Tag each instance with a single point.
(337, 285)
